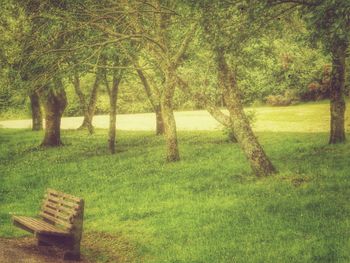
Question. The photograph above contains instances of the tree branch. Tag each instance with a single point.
(204, 101)
(178, 56)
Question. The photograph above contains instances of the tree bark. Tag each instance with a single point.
(337, 100)
(89, 109)
(113, 95)
(79, 92)
(159, 121)
(154, 102)
(168, 117)
(259, 162)
(54, 104)
(37, 117)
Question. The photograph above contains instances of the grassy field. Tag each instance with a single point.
(311, 117)
(206, 208)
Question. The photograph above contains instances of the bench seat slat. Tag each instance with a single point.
(40, 226)
(32, 224)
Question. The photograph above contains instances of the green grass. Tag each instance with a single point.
(206, 208)
(306, 117)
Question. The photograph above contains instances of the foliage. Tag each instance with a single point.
(329, 22)
(289, 98)
(270, 58)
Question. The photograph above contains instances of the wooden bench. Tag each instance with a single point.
(60, 222)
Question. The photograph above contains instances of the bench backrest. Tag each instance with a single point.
(61, 209)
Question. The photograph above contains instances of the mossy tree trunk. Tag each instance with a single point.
(259, 162)
(113, 96)
(337, 100)
(88, 107)
(231, 135)
(55, 102)
(153, 100)
(159, 121)
(37, 116)
(170, 134)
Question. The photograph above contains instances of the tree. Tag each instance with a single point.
(154, 100)
(37, 117)
(89, 106)
(226, 31)
(55, 102)
(329, 23)
(14, 29)
(250, 145)
(149, 84)
(168, 50)
(113, 96)
(40, 71)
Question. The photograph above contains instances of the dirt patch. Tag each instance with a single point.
(25, 250)
(96, 247)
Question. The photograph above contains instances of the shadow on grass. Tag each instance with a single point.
(106, 247)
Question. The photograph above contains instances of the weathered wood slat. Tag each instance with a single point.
(62, 198)
(57, 213)
(65, 224)
(34, 224)
(68, 200)
(68, 196)
(39, 226)
(53, 199)
(63, 209)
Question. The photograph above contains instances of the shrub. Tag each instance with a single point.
(290, 97)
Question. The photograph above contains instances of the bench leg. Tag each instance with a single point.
(74, 251)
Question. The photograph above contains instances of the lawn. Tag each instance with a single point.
(310, 117)
(206, 208)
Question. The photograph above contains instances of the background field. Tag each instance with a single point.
(310, 117)
(207, 207)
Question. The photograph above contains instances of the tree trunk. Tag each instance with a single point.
(159, 121)
(54, 105)
(37, 118)
(113, 95)
(169, 119)
(154, 102)
(79, 92)
(259, 162)
(231, 135)
(222, 118)
(89, 109)
(337, 101)
(213, 110)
